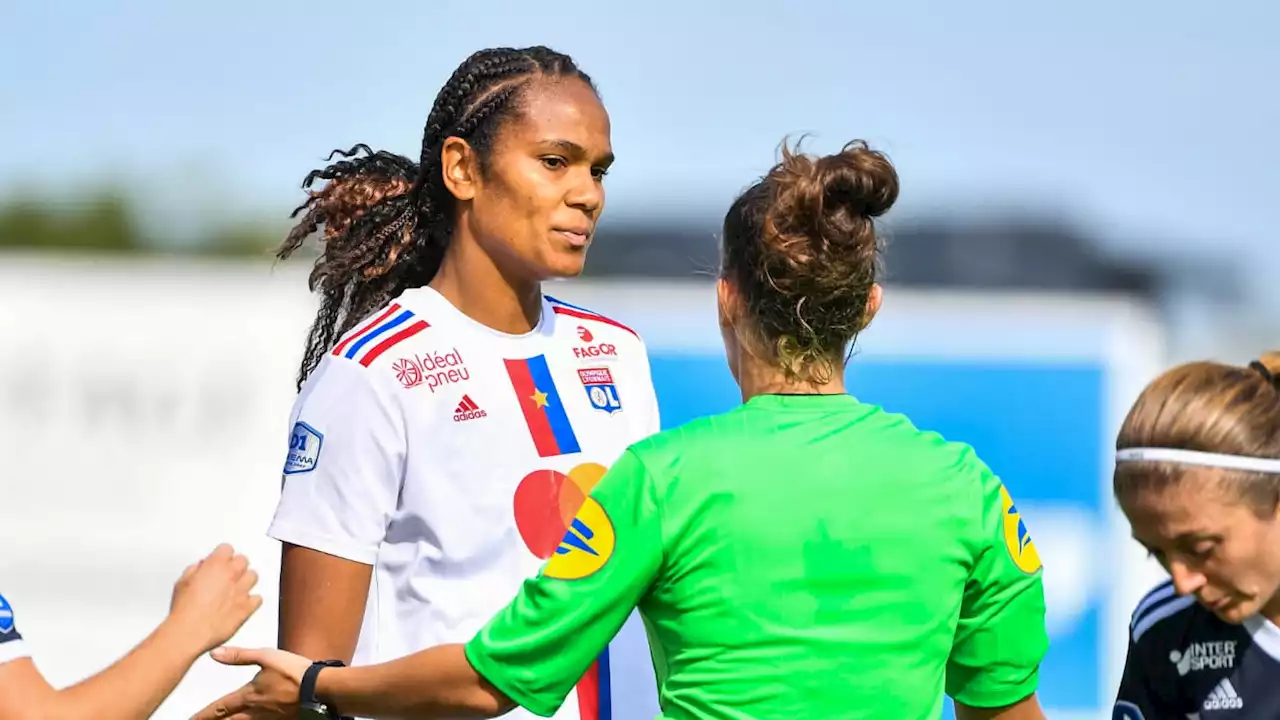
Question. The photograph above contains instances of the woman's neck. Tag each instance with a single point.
(470, 280)
(756, 377)
(1271, 611)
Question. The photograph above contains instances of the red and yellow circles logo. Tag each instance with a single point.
(1016, 537)
(560, 522)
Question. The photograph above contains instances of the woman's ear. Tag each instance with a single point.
(458, 168)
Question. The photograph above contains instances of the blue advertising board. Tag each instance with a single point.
(1037, 389)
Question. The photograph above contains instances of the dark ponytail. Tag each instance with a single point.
(386, 219)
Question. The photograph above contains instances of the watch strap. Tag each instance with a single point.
(307, 688)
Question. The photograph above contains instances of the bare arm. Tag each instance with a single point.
(433, 683)
(211, 602)
(1027, 709)
(24, 693)
(131, 689)
(436, 682)
(322, 601)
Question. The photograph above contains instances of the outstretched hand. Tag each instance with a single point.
(273, 692)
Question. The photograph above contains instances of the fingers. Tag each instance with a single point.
(280, 662)
(189, 571)
(228, 655)
(244, 612)
(222, 552)
(238, 565)
(249, 703)
(247, 581)
(225, 561)
(233, 565)
(226, 707)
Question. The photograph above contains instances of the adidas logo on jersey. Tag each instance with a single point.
(468, 410)
(1223, 697)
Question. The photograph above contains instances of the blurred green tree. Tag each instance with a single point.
(106, 219)
(103, 221)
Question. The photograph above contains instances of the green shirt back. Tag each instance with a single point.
(799, 556)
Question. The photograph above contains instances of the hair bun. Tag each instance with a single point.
(856, 183)
(857, 179)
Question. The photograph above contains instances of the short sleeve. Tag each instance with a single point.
(542, 643)
(11, 645)
(1000, 638)
(1138, 697)
(344, 465)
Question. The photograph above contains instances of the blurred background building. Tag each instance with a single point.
(1088, 196)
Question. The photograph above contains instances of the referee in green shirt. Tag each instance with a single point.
(805, 555)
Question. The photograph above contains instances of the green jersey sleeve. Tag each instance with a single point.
(1000, 639)
(542, 643)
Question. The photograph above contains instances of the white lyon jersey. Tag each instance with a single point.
(452, 458)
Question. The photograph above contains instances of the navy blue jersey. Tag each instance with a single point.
(1185, 662)
(11, 647)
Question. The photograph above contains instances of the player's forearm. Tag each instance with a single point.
(437, 682)
(135, 686)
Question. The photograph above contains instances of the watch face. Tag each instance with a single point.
(313, 712)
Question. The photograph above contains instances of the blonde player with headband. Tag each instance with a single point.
(1198, 476)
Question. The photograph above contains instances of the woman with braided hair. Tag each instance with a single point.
(451, 418)
(1198, 476)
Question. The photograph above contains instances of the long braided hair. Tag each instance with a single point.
(387, 220)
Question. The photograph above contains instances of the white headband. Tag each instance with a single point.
(1205, 459)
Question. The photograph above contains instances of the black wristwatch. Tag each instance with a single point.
(309, 706)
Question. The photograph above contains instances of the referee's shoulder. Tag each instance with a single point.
(1162, 614)
(705, 439)
(702, 431)
(923, 448)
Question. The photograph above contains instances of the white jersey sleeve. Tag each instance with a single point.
(345, 463)
(11, 645)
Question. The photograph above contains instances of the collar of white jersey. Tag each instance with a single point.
(1203, 459)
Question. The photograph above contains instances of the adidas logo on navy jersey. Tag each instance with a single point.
(468, 410)
(1223, 697)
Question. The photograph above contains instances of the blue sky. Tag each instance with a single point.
(1151, 124)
